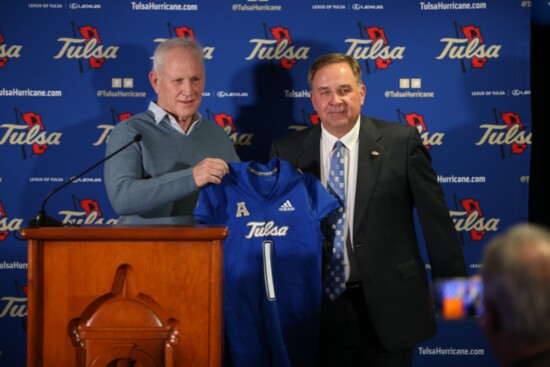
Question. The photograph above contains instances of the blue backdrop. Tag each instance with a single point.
(69, 72)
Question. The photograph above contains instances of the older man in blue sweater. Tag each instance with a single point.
(157, 180)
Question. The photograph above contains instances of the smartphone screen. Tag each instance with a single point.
(458, 298)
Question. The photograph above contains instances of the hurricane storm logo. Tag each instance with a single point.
(182, 32)
(469, 218)
(226, 122)
(3, 53)
(310, 119)
(90, 206)
(508, 130)
(34, 121)
(472, 47)
(281, 48)
(374, 47)
(416, 120)
(29, 131)
(89, 48)
(119, 116)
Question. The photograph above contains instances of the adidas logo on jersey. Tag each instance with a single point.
(286, 207)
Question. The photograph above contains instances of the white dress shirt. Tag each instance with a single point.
(160, 113)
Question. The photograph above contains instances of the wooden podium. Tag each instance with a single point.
(124, 296)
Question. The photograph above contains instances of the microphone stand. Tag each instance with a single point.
(42, 220)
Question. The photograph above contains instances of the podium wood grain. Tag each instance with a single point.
(178, 267)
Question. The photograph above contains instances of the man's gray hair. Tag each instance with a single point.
(516, 280)
(172, 43)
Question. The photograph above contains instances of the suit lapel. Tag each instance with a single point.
(309, 160)
(371, 156)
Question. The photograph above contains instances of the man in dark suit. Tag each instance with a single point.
(385, 307)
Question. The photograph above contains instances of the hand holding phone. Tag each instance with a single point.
(458, 298)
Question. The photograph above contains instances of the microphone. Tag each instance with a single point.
(42, 220)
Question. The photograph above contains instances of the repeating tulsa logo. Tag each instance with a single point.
(89, 48)
(416, 120)
(85, 212)
(508, 130)
(8, 52)
(106, 129)
(469, 219)
(226, 122)
(29, 131)
(281, 48)
(472, 47)
(374, 45)
(15, 306)
(308, 119)
(187, 32)
(8, 225)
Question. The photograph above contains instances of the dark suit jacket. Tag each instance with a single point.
(394, 177)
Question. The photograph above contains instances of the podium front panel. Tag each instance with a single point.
(177, 270)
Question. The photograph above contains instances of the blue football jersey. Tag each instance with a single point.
(272, 261)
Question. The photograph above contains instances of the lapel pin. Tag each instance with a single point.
(374, 153)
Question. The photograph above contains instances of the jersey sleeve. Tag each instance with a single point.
(207, 205)
(322, 201)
